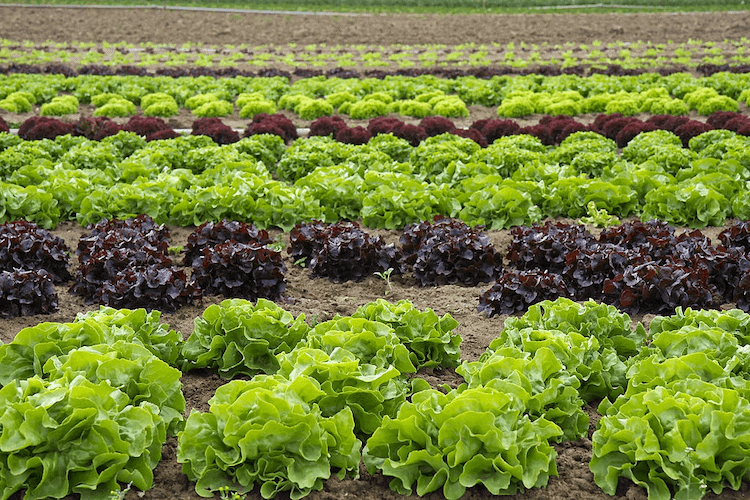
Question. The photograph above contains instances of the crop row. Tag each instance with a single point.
(310, 402)
(419, 96)
(513, 56)
(385, 181)
(640, 268)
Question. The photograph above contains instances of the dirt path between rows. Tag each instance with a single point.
(164, 26)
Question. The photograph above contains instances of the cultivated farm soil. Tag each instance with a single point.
(318, 298)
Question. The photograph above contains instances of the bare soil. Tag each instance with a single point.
(318, 298)
(169, 26)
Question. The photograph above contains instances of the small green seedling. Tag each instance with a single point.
(386, 276)
(119, 494)
(278, 244)
(226, 494)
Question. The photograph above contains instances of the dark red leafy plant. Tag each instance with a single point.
(383, 125)
(653, 288)
(240, 270)
(43, 127)
(612, 127)
(139, 233)
(718, 119)
(124, 264)
(571, 128)
(353, 135)
(546, 247)
(737, 123)
(413, 134)
(586, 269)
(630, 130)
(690, 129)
(26, 293)
(436, 125)
(146, 126)
(737, 236)
(448, 251)
(156, 286)
(667, 122)
(326, 125)
(601, 120)
(471, 133)
(494, 129)
(162, 135)
(215, 129)
(95, 127)
(541, 132)
(557, 125)
(276, 124)
(210, 234)
(341, 252)
(4, 125)
(516, 290)
(26, 246)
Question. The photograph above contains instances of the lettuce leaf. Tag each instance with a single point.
(429, 338)
(591, 340)
(549, 390)
(238, 337)
(676, 441)
(462, 439)
(75, 436)
(266, 431)
(369, 391)
(371, 342)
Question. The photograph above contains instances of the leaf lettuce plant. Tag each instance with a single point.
(267, 432)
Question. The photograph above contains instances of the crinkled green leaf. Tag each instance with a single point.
(677, 441)
(75, 436)
(238, 337)
(538, 379)
(266, 432)
(369, 391)
(429, 338)
(371, 342)
(461, 439)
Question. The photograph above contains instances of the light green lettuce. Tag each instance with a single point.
(267, 432)
(462, 439)
(238, 337)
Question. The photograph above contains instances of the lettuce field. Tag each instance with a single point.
(328, 258)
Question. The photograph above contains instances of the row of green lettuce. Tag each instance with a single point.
(385, 182)
(88, 404)
(366, 98)
(637, 55)
(311, 401)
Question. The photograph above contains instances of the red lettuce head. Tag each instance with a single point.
(541, 132)
(43, 127)
(690, 129)
(262, 124)
(383, 125)
(216, 130)
(436, 125)
(717, 119)
(326, 125)
(632, 129)
(471, 133)
(494, 129)
(145, 125)
(353, 135)
(413, 134)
